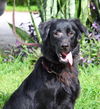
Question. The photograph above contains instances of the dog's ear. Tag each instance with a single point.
(44, 28)
(80, 26)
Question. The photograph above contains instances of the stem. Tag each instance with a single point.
(34, 24)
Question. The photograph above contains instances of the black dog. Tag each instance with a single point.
(54, 82)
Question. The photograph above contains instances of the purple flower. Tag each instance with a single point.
(97, 37)
(18, 43)
(83, 59)
(94, 25)
(89, 61)
(94, 8)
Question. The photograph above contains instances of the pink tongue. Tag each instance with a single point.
(68, 57)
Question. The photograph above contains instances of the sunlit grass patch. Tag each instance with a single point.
(22, 8)
(11, 76)
(90, 89)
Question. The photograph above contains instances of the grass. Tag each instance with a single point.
(13, 73)
(22, 8)
(90, 89)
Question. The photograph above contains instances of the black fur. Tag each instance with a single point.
(52, 84)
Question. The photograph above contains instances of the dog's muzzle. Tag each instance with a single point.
(65, 55)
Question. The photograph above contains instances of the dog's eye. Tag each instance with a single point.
(57, 33)
(71, 34)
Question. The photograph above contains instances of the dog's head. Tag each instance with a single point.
(60, 38)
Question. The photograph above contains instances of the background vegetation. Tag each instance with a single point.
(14, 68)
(21, 2)
(22, 8)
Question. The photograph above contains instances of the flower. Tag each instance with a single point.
(94, 25)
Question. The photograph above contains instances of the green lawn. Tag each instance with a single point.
(13, 73)
(90, 89)
(22, 8)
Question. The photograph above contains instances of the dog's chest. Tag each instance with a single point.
(68, 86)
(54, 93)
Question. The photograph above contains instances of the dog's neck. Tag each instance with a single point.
(62, 71)
(57, 68)
(52, 67)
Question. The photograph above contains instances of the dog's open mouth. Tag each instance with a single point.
(66, 57)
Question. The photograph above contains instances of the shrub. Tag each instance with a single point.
(22, 2)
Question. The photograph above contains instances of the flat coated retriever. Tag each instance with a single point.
(53, 84)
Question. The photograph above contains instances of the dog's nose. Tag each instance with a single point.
(64, 46)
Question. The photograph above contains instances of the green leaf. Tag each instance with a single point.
(49, 7)
(72, 8)
(84, 11)
(22, 34)
(54, 8)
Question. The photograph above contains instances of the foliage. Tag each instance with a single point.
(89, 95)
(90, 51)
(11, 75)
(94, 10)
(23, 34)
(22, 8)
(21, 2)
(34, 24)
(61, 9)
(88, 12)
(18, 2)
(21, 50)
